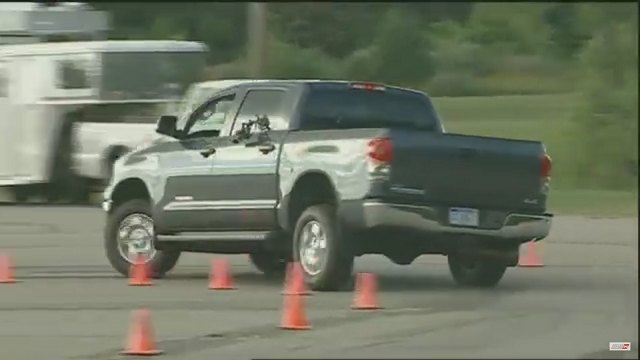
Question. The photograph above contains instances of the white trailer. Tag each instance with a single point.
(46, 89)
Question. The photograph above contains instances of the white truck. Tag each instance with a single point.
(49, 87)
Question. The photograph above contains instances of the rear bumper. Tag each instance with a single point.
(372, 214)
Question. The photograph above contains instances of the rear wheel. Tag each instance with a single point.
(129, 233)
(475, 271)
(64, 183)
(321, 249)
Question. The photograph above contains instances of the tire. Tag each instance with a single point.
(62, 179)
(335, 271)
(161, 262)
(268, 263)
(475, 272)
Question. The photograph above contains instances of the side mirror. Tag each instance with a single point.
(167, 125)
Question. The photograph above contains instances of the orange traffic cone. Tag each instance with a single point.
(531, 258)
(293, 314)
(366, 297)
(6, 271)
(141, 340)
(294, 283)
(220, 275)
(139, 273)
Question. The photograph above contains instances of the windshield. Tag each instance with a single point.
(149, 75)
(339, 107)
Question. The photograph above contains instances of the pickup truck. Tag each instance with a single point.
(320, 172)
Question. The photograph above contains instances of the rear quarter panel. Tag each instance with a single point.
(338, 154)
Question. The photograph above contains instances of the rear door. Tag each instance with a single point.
(247, 177)
(190, 185)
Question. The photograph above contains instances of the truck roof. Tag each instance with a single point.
(271, 82)
(102, 46)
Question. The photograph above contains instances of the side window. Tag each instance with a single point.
(209, 119)
(72, 74)
(262, 102)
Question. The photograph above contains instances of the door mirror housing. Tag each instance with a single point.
(167, 126)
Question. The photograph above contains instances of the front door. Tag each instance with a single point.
(187, 165)
(247, 174)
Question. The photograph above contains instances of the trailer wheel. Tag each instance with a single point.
(64, 182)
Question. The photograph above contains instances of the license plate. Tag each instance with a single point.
(463, 217)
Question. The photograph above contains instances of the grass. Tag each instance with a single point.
(536, 117)
(594, 202)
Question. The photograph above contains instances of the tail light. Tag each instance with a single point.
(381, 150)
(545, 167)
(545, 172)
(379, 156)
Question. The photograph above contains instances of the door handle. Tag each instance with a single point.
(266, 148)
(207, 152)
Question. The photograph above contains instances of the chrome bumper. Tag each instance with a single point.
(424, 218)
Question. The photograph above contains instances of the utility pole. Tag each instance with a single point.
(257, 40)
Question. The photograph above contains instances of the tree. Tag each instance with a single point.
(606, 121)
(401, 53)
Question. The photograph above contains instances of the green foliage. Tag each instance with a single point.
(566, 37)
(606, 120)
(290, 61)
(401, 55)
(508, 27)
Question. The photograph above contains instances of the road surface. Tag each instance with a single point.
(71, 305)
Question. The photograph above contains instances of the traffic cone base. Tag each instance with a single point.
(142, 353)
(220, 276)
(294, 281)
(296, 327)
(366, 297)
(531, 258)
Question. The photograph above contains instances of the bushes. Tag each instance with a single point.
(606, 120)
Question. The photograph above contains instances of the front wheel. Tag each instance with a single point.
(474, 271)
(321, 249)
(129, 233)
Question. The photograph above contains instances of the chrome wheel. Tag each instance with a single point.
(313, 248)
(135, 237)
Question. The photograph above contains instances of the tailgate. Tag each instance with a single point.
(462, 170)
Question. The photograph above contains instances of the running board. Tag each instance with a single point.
(217, 236)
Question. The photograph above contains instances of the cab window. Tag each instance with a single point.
(208, 120)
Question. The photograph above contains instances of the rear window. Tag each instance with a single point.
(348, 108)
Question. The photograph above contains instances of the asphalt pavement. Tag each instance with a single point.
(71, 305)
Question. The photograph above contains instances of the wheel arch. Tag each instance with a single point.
(129, 189)
(111, 154)
(310, 188)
